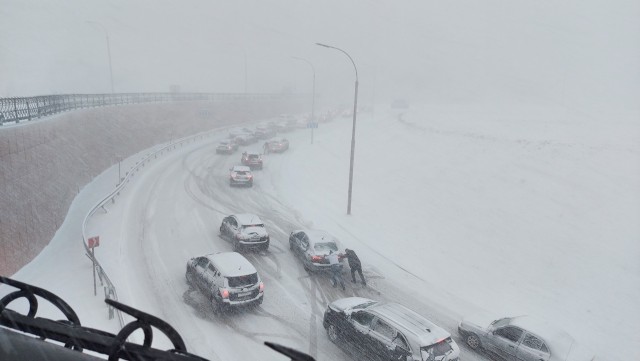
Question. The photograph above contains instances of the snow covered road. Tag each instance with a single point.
(454, 212)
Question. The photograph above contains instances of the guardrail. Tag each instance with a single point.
(105, 281)
(28, 108)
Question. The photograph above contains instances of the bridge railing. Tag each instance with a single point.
(14, 110)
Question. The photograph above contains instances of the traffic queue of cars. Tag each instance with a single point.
(377, 330)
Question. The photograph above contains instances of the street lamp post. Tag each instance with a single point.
(353, 132)
(313, 97)
(106, 33)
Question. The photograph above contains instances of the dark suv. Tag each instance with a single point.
(252, 160)
(387, 331)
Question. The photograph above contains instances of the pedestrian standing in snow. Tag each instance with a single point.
(336, 270)
(355, 265)
(266, 148)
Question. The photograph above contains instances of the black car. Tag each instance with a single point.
(385, 331)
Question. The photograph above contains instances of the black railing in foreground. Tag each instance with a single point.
(28, 108)
(69, 335)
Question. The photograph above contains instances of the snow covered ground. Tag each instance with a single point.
(455, 210)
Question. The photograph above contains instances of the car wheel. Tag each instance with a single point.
(473, 341)
(332, 332)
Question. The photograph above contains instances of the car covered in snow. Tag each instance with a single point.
(245, 231)
(245, 138)
(264, 132)
(226, 279)
(252, 160)
(521, 338)
(277, 146)
(312, 247)
(226, 147)
(240, 175)
(387, 331)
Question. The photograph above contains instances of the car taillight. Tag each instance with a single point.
(224, 293)
(261, 287)
(316, 258)
(250, 176)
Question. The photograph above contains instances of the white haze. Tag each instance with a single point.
(580, 54)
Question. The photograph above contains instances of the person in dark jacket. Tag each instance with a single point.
(355, 265)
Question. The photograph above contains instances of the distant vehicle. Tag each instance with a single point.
(227, 279)
(252, 160)
(521, 338)
(240, 175)
(313, 247)
(245, 138)
(277, 146)
(225, 147)
(264, 133)
(245, 231)
(387, 331)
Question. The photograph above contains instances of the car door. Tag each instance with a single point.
(233, 227)
(532, 348)
(359, 336)
(505, 342)
(297, 247)
(402, 349)
(224, 228)
(201, 266)
(381, 339)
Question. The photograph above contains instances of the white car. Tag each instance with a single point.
(245, 231)
(240, 175)
(227, 279)
(521, 338)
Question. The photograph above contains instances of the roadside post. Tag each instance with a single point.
(93, 243)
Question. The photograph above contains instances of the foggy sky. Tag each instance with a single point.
(578, 52)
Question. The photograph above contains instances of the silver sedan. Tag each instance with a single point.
(521, 338)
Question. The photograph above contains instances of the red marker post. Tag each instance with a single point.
(94, 242)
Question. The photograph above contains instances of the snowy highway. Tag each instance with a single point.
(455, 212)
(173, 213)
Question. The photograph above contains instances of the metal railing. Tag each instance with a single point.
(28, 108)
(105, 281)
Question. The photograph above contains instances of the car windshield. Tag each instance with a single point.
(325, 246)
(240, 281)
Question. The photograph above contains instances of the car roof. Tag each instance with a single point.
(241, 168)
(412, 324)
(232, 264)
(557, 340)
(248, 218)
